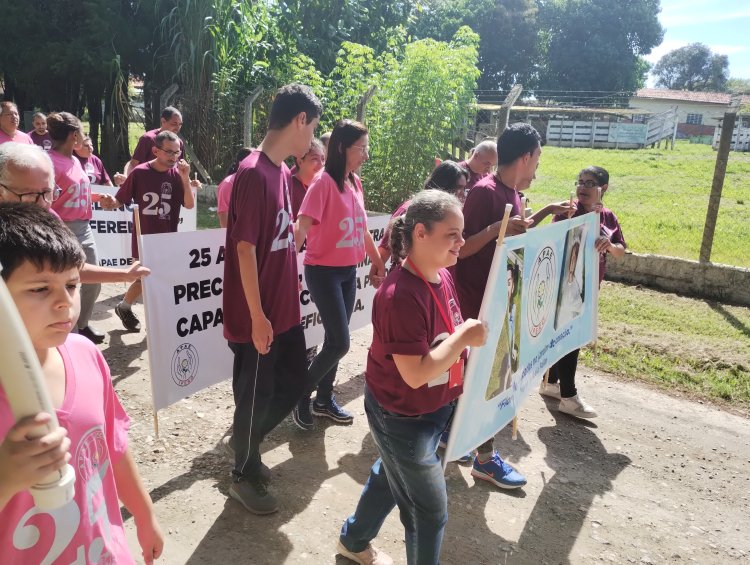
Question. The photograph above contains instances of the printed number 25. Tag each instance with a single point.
(281, 239)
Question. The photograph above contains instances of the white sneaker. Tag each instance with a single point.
(551, 389)
(370, 556)
(576, 406)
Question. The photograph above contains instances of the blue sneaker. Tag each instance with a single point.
(498, 472)
(332, 410)
(443, 443)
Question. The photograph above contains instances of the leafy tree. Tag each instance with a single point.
(509, 32)
(738, 85)
(423, 102)
(693, 67)
(597, 45)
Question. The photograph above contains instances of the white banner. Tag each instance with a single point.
(113, 228)
(184, 319)
(540, 303)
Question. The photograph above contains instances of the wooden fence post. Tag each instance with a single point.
(722, 157)
(504, 113)
(247, 129)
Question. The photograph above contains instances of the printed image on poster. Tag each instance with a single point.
(570, 294)
(506, 354)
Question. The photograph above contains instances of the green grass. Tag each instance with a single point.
(660, 196)
(206, 218)
(135, 131)
(695, 346)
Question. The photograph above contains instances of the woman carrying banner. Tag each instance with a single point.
(591, 185)
(333, 219)
(414, 375)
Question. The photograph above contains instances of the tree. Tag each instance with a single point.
(738, 85)
(423, 101)
(693, 67)
(508, 30)
(597, 45)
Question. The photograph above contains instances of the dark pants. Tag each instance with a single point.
(564, 372)
(333, 289)
(266, 388)
(409, 475)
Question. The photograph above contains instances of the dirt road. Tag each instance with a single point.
(654, 479)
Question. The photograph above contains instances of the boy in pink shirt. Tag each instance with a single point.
(224, 189)
(41, 260)
(9, 120)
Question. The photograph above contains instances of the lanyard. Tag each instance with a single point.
(446, 319)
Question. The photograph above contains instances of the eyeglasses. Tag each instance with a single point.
(33, 197)
(586, 183)
(170, 153)
(363, 148)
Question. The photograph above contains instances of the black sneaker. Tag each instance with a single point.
(254, 496)
(301, 415)
(332, 410)
(227, 443)
(91, 334)
(128, 319)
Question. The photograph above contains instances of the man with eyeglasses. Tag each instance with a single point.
(27, 175)
(9, 120)
(171, 120)
(160, 187)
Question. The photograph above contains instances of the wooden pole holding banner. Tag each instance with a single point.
(137, 227)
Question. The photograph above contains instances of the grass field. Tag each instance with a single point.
(660, 196)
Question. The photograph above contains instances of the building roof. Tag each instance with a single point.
(722, 98)
(566, 110)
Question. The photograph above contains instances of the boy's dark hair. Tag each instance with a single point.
(289, 101)
(516, 141)
(28, 232)
(165, 136)
(345, 134)
(601, 175)
(168, 112)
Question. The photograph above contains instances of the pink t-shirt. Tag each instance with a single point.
(94, 168)
(43, 141)
(18, 137)
(260, 213)
(224, 193)
(337, 235)
(484, 206)
(406, 321)
(147, 141)
(89, 528)
(159, 196)
(75, 201)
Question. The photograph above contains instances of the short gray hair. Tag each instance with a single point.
(484, 146)
(23, 156)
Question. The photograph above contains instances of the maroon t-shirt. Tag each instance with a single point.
(143, 151)
(474, 178)
(43, 141)
(298, 195)
(610, 228)
(260, 213)
(484, 206)
(402, 208)
(94, 169)
(159, 197)
(407, 321)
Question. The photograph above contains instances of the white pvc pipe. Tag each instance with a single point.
(22, 379)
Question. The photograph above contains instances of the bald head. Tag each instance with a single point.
(483, 157)
(23, 169)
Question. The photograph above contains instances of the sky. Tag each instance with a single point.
(723, 25)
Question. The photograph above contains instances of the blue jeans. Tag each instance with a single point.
(408, 474)
(333, 289)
